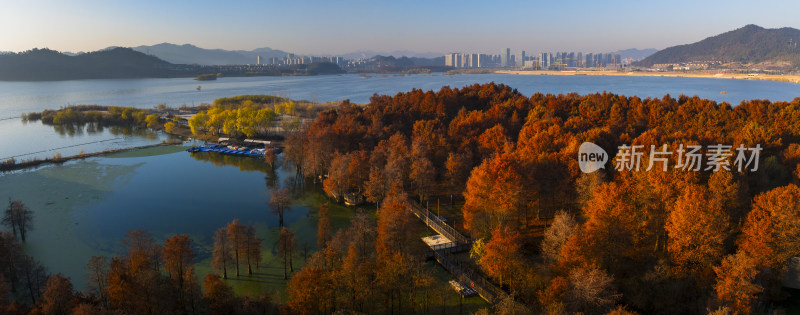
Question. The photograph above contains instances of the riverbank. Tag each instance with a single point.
(738, 76)
(12, 166)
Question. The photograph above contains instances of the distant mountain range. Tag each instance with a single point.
(118, 63)
(366, 54)
(408, 62)
(751, 44)
(190, 54)
(46, 64)
(635, 54)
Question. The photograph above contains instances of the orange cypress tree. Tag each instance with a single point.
(493, 194)
(697, 230)
(771, 231)
(178, 255)
(218, 296)
(236, 241)
(395, 225)
(735, 285)
(323, 226)
(493, 140)
(222, 252)
(501, 255)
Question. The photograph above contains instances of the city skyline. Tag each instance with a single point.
(322, 28)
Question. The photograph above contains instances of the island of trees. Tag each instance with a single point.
(554, 239)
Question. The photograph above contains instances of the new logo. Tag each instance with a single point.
(591, 157)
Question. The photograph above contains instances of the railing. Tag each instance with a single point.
(465, 275)
(460, 243)
(447, 248)
(438, 225)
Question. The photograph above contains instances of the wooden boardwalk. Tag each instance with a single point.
(438, 225)
(443, 254)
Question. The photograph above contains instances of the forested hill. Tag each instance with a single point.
(46, 64)
(749, 44)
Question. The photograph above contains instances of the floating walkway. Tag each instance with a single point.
(233, 150)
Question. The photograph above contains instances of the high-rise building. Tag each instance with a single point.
(520, 60)
(505, 58)
(450, 60)
(258, 60)
(545, 60)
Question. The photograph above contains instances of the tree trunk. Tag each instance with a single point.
(291, 252)
(30, 286)
(236, 252)
(285, 277)
(224, 269)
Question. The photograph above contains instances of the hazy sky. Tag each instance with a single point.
(319, 27)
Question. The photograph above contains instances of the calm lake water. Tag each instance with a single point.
(36, 141)
(84, 207)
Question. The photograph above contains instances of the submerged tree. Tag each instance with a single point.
(97, 268)
(286, 247)
(252, 248)
(323, 226)
(19, 218)
(178, 255)
(237, 241)
(280, 203)
(222, 252)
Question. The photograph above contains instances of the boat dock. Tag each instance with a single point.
(243, 151)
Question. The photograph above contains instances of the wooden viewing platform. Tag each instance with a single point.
(438, 225)
(458, 242)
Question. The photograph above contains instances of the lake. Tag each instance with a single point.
(25, 141)
(84, 207)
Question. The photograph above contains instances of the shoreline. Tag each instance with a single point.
(735, 76)
(34, 163)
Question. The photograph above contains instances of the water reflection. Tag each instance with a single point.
(78, 130)
(272, 176)
(244, 163)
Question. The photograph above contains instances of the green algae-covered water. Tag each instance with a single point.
(84, 208)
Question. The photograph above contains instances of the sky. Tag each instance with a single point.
(338, 27)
